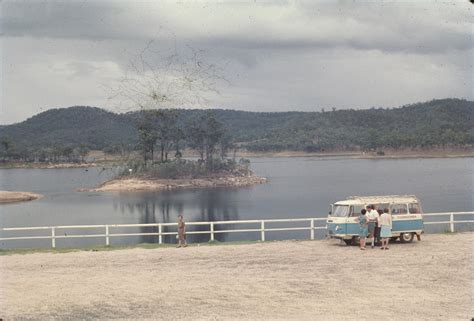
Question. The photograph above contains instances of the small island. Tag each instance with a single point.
(153, 184)
(13, 197)
(158, 163)
(180, 174)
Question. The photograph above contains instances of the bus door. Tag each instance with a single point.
(352, 221)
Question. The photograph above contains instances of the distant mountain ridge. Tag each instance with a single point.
(432, 123)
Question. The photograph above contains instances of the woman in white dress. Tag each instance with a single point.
(385, 223)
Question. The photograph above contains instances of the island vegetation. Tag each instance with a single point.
(158, 163)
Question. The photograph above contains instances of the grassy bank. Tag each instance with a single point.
(153, 246)
(106, 248)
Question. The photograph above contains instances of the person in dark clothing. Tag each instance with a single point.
(181, 231)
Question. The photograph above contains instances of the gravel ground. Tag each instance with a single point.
(427, 280)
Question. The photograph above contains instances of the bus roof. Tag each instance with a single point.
(379, 199)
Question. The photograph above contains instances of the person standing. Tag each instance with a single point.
(377, 228)
(181, 231)
(363, 230)
(373, 218)
(385, 228)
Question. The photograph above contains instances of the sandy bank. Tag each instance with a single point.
(324, 280)
(141, 184)
(13, 197)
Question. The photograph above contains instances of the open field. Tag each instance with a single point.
(427, 280)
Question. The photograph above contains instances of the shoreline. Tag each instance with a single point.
(19, 165)
(107, 160)
(7, 197)
(131, 184)
(387, 153)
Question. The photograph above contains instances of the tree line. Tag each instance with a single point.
(62, 134)
(162, 135)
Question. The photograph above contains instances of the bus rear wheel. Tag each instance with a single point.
(407, 237)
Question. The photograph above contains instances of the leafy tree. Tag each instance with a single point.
(204, 133)
(147, 136)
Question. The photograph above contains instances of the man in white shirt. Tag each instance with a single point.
(373, 218)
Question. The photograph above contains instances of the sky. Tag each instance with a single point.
(246, 55)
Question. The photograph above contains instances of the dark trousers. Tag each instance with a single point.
(377, 234)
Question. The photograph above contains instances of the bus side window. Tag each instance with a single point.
(381, 206)
(397, 209)
(355, 210)
(414, 208)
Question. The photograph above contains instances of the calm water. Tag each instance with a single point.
(297, 187)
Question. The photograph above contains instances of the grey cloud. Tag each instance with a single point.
(49, 19)
(423, 45)
(361, 27)
(292, 55)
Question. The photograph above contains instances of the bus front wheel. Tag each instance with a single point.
(406, 237)
(349, 242)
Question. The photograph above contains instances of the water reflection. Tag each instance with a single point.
(208, 205)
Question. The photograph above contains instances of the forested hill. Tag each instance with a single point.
(70, 127)
(428, 124)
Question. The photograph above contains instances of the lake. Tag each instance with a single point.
(297, 187)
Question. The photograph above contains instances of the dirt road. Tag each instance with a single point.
(430, 280)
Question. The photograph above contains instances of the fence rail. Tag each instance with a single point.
(260, 228)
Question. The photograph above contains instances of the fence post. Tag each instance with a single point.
(312, 229)
(262, 229)
(451, 222)
(107, 240)
(160, 237)
(53, 237)
(212, 231)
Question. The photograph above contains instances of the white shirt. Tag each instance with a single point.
(373, 215)
(385, 219)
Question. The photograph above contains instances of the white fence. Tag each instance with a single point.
(58, 232)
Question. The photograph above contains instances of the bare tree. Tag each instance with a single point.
(168, 79)
(160, 82)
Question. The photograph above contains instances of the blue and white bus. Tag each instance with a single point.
(407, 219)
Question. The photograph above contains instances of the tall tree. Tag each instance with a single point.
(204, 133)
(147, 136)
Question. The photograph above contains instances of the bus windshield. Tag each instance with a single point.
(340, 210)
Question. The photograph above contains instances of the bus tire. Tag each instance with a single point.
(407, 237)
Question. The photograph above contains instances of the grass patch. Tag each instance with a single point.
(149, 246)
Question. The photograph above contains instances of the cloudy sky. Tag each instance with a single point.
(258, 55)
